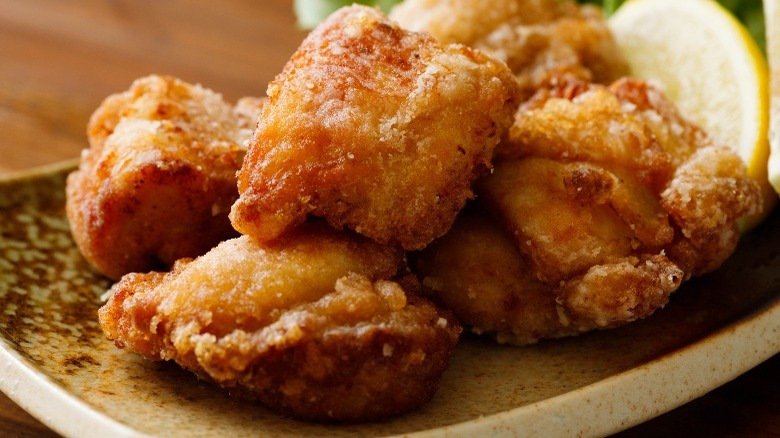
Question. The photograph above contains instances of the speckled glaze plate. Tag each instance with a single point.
(55, 362)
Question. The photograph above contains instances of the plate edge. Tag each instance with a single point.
(71, 417)
(562, 414)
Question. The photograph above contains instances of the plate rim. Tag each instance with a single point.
(764, 318)
(69, 415)
(60, 410)
(23, 383)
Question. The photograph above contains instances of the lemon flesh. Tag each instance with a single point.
(708, 64)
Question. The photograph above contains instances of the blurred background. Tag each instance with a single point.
(59, 59)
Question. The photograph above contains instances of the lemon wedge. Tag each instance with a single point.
(711, 68)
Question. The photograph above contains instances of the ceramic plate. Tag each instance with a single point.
(55, 362)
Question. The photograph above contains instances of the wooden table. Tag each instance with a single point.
(58, 60)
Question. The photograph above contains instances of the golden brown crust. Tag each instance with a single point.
(534, 37)
(562, 235)
(663, 180)
(159, 178)
(613, 294)
(477, 271)
(308, 326)
(611, 199)
(373, 128)
(384, 362)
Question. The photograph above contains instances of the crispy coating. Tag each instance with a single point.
(611, 200)
(629, 169)
(373, 128)
(478, 271)
(310, 326)
(562, 235)
(534, 37)
(158, 179)
(703, 198)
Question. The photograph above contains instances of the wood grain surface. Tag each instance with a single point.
(58, 60)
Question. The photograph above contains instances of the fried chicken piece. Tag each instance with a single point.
(158, 181)
(611, 199)
(373, 128)
(622, 155)
(704, 198)
(561, 234)
(478, 271)
(534, 37)
(310, 325)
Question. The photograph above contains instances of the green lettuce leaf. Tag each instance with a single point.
(311, 12)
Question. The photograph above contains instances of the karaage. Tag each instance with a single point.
(477, 271)
(534, 37)
(645, 176)
(375, 129)
(159, 178)
(314, 326)
(611, 200)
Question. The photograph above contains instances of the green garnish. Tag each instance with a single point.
(311, 12)
(750, 12)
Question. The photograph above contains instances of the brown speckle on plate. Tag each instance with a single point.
(715, 327)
